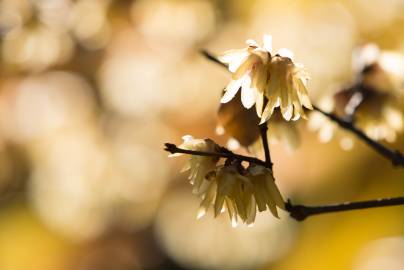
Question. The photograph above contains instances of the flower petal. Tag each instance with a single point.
(268, 43)
(247, 93)
(231, 90)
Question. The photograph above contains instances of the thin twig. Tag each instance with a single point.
(223, 153)
(264, 137)
(301, 212)
(212, 58)
(396, 158)
(298, 212)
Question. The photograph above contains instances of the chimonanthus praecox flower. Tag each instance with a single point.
(240, 195)
(230, 187)
(240, 125)
(198, 166)
(372, 101)
(269, 81)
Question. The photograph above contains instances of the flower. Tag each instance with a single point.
(267, 80)
(379, 69)
(266, 193)
(379, 116)
(287, 132)
(199, 166)
(229, 191)
(250, 71)
(286, 89)
(240, 125)
(371, 101)
(241, 195)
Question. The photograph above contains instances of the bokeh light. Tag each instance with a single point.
(90, 90)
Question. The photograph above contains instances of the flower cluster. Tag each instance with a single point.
(230, 187)
(266, 80)
(372, 100)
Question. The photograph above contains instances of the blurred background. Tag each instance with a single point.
(91, 89)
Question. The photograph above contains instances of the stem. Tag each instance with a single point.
(298, 212)
(263, 132)
(396, 158)
(223, 153)
(301, 212)
(212, 58)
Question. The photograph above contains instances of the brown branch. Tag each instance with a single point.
(212, 58)
(264, 137)
(396, 158)
(301, 212)
(223, 153)
(298, 212)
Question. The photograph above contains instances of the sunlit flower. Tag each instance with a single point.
(229, 191)
(267, 80)
(249, 67)
(286, 89)
(266, 193)
(371, 102)
(198, 166)
(240, 195)
(379, 116)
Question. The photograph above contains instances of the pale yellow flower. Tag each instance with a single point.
(286, 89)
(229, 191)
(249, 68)
(372, 101)
(198, 166)
(241, 195)
(266, 193)
(267, 80)
(379, 116)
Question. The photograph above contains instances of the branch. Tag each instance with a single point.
(298, 212)
(264, 137)
(396, 158)
(301, 212)
(223, 153)
(212, 58)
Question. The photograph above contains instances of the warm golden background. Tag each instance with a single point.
(91, 89)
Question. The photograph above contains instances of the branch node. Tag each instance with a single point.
(298, 212)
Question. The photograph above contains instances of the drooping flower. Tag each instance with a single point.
(249, 68)
(379, 116)
(371, 101)
(267, 80)
(241, 195)
(198, 166)
(266, 193)
(240, 125)
(286, 89)
(232, 192)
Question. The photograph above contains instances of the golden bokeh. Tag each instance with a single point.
(90, 90)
